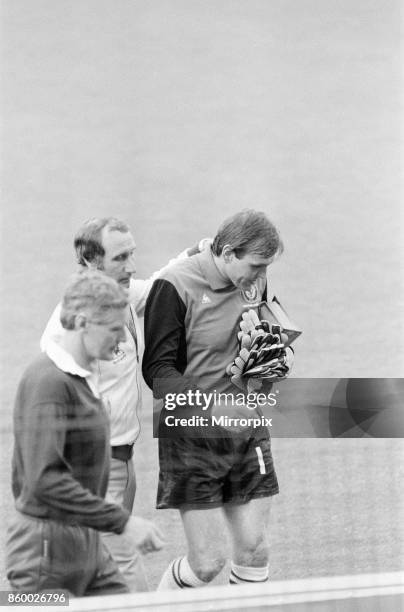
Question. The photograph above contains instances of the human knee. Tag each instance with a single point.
(207, 569)
(253, 554)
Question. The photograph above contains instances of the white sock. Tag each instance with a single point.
(179, 575)
(241, 574)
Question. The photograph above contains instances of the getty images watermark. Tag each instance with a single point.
(299, 407)
(213, 401)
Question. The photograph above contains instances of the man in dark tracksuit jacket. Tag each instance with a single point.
(61, 455)
(191, 323)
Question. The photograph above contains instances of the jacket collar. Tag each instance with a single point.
(65, 362)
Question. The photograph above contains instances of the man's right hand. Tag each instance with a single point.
(146, 535)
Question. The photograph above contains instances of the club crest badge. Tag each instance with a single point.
(251, 294)
(119, 354)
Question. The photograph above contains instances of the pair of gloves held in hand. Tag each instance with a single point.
(262, 355)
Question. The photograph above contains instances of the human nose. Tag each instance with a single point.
(130, 264)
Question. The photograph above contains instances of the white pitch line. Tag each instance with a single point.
(247, 598)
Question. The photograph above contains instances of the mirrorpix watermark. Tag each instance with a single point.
(212, 402)
(295, 408)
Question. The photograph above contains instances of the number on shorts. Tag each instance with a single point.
(260, 460)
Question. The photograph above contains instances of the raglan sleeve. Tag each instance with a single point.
(139, 289)
(165, 356)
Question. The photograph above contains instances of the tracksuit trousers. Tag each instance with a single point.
(44, 554)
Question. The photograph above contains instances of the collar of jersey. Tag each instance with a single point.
(211, 272)
(64, 360)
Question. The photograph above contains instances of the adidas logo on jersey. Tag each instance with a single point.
(206, 299)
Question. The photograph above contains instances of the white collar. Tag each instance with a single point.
(65, 362)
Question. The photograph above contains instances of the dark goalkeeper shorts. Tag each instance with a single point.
(208, 472)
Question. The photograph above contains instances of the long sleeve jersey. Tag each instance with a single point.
(60, 465)
(191, 322)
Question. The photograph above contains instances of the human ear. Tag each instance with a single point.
(80, 321)
(92, 265)
(228, 253)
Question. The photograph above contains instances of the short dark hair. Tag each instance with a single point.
(90, 290)
(87, 241)
(248, 231)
